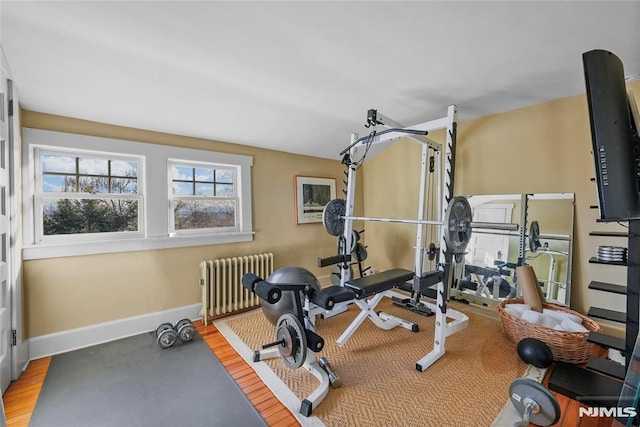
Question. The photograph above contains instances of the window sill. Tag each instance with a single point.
(58, 250)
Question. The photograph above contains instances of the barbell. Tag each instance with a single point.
(458, 222)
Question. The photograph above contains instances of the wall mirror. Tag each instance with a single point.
(544, 241)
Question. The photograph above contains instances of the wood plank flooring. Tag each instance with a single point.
(569, 408)
(21, 396)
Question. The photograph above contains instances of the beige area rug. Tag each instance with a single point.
(468, 386)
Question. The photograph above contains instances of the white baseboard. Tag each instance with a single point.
(73, 339)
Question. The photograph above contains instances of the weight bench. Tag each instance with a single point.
(376, 286)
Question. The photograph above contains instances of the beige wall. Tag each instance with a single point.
(544, 148)
(67, 293)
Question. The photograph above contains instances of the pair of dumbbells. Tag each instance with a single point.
(167, 334)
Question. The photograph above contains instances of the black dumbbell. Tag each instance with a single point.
(166, 335)
(185, 330)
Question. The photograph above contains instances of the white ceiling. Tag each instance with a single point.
(299, 76)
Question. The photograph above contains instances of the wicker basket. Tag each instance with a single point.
(570, 347)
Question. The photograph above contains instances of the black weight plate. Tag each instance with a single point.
(534, 236)
(431, 251)
(457, 229)
(361, 252)
(332, 217)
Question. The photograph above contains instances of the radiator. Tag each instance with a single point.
(222, 290)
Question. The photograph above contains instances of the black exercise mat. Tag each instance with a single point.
(133, 382)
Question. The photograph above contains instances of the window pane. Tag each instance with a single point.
(183, 173)
(58, 183)
(53, 163)
(205, 175)
(205, 190)
(93, 185)
(83, 216)
(224, 175)
(124, 185)
(225, 190)
(204, 214)
(88, 166)
(183, 189)
(122, 168)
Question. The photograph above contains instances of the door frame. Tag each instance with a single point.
(20, 356)
(19, 351)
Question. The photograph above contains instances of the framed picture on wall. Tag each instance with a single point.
(312, 194)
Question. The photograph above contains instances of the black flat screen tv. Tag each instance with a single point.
(613, 135)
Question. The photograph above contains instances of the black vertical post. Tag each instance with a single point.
(633, 288)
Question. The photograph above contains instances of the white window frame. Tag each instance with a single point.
(172, 197)
(156, 226)
(40, 195)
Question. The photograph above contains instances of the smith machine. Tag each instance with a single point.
(453, 219)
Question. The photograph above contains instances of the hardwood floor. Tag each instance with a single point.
(21, 396)
(569, 408)
(271, 409)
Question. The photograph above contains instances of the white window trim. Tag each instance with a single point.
(156, 202)
(40, 238)
(236, 197)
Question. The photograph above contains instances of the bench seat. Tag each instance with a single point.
(379, 282)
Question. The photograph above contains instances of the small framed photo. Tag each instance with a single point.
(312, 194)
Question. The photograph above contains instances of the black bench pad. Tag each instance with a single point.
(338, 293)
(379, 282)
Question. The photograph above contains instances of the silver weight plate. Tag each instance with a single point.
(332, 217)
(167, 338)
(163, 327)
(294, 350)
(355, 238)
(525, 390)
(186, 330)
(457, 220)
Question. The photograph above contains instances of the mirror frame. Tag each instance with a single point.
(523, 233)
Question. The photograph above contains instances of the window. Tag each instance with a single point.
(203, 197)
(88, 195)
(81, 193)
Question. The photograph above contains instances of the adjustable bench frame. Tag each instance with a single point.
(377, 286)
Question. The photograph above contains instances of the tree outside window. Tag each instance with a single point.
(86, 195)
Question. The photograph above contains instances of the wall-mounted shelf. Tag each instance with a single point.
(607, 340)
(603, 313)
(608, 287)
(609, 233)
(594, 260)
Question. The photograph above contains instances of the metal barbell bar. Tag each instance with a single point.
(457, 222)
(472, 224)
